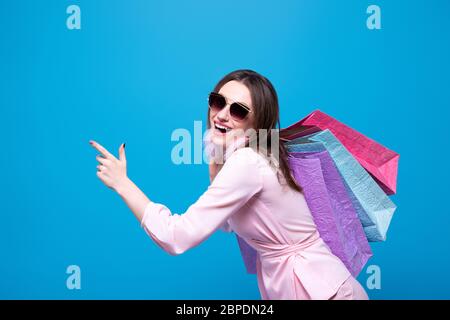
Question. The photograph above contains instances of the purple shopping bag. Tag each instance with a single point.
(331, 208)
(248, 254)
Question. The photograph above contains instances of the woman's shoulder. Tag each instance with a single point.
(242, 170)
(248, 156)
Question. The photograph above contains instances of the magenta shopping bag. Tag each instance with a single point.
(378, 160)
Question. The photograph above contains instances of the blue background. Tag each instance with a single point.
(137, 70)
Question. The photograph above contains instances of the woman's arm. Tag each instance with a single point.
(214, 169)
(238, 180)
(135, 199)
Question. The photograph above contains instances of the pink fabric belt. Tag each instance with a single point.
(307, 262)
(271, 250)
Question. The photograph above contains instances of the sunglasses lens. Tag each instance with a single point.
(216, 102)
(238, 112)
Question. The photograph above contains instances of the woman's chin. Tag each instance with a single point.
(218, 140)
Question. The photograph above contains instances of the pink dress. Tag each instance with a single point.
(246, 197)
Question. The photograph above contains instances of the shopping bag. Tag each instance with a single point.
(331, 208)
(378, 160)
(373, 206)
(248, 254)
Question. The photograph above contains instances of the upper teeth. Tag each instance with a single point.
(222, 127)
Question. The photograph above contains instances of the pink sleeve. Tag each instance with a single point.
(238, 181)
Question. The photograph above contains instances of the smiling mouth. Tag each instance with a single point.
(221, 129)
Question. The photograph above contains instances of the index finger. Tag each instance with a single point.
(101, 149)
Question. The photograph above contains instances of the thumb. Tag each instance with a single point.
(122, 156)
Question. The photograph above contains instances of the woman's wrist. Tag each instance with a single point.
(125, 185)
(134, 198)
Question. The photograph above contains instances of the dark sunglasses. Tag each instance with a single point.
(238, 110)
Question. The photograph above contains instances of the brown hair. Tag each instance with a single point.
(265, 104)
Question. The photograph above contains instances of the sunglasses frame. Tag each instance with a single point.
(227, 101)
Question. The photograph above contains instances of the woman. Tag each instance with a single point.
(250, 193)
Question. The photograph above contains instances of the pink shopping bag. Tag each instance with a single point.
(378, 160)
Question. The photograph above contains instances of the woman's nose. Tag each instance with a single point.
(223, 114)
